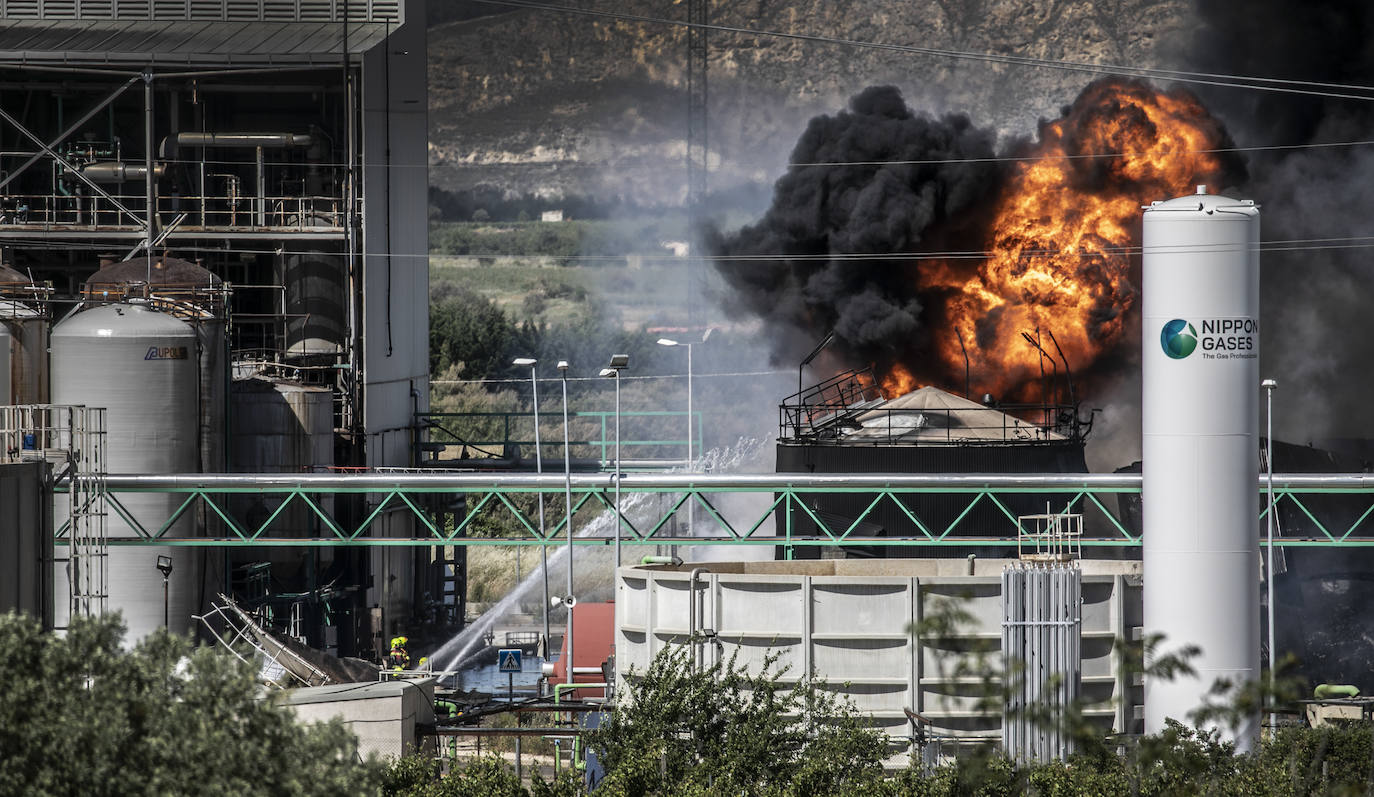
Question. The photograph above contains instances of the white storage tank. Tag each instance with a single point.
(140, 365)
(1200, 419)
(195, 295)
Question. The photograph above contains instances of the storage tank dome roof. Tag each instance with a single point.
(9, 276)
(121, 321)
(170, 271)
(1195, 205)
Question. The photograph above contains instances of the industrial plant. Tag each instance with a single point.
(213, 229)
(215, 417)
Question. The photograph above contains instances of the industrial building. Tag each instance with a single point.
(214, 214)
(213, 251)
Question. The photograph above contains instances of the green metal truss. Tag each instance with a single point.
(1334, 510)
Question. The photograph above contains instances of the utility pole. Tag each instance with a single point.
(698, 15)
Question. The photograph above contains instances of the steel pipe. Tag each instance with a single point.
(668, 482)
(119, 171)
(273, 140)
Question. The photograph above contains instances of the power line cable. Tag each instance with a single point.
(1286, 245)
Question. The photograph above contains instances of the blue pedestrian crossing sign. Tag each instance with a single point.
(508, 660)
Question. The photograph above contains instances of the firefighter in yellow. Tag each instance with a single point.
(399, 658)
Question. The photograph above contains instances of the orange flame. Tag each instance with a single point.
(1060, 240)
(898, 381)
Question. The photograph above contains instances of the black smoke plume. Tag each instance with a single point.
(1317, 284)
(877, 194)
(892, 195)
(1315, 336)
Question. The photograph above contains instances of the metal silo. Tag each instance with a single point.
(279, 426)
(140, 365)
(23, 340)
(1200, 420)
(6, 364)
(316, 295)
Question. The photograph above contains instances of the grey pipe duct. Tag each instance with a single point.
(276, 140)
(119, 171)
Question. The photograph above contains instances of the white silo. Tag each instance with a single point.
(1200, 418)
(141, 366)
(193, 294)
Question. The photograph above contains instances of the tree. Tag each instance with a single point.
(80, 715)
(720, 729)
(466, 329)
(484, 777)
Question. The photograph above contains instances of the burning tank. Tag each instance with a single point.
(844, 425)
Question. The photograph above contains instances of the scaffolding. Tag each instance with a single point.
(1051, 537)
(71, 439)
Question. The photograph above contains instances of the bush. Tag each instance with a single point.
(485, 777)
(720, 729)
(80, 714)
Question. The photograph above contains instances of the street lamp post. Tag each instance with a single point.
(569, 601)
(1269, 386)
(691, 463)
(618, 361)
(539, 497)
(164, 566)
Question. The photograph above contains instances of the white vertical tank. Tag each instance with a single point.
(1200, 419)
(141, 366)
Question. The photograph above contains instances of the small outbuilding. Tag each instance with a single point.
(387, 716)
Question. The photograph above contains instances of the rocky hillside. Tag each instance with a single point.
(546, 103)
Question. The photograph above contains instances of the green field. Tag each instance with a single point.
(560, 272)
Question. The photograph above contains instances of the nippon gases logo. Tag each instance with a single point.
(1221, 338)
(1178, 338)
